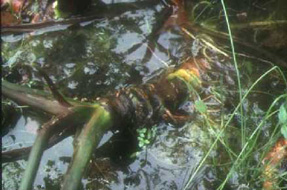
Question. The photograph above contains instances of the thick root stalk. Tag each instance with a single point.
(133, 106)
(52, 127)
(88, 139)
(34, 98)
(137, 106)
(37, 152)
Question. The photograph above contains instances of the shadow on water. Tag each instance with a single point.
(89, 61)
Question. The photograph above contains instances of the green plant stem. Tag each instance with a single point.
(237, 74)
(37, 151)
(34, 161)
(87, 141)
(34, 98)
(56, 125)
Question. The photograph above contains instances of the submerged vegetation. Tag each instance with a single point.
(176, 94)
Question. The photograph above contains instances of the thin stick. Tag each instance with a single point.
(258, 24)
(53, 88)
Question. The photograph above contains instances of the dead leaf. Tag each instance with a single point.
(8, 19)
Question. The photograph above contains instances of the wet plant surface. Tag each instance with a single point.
(90, 60)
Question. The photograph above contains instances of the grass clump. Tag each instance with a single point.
(245, 164)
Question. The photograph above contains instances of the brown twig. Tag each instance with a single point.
(53, 88)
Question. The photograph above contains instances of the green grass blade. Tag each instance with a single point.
(237, 73)
(226, 124)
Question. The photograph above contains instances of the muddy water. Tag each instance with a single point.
(90, 60)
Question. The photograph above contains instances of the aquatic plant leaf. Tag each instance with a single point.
(200, 106)
(141, 144)
(282, 115)
(146, 141)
